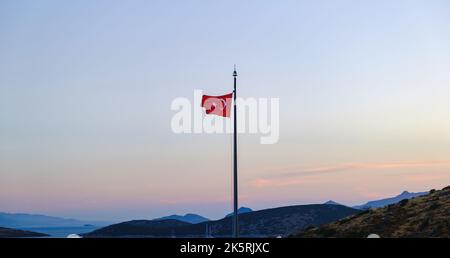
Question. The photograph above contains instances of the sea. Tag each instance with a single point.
(62, 232)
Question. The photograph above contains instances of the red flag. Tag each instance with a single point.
(217, 105)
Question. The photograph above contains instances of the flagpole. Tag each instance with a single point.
(235, 175)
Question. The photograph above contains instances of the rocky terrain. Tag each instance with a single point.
(423, 216)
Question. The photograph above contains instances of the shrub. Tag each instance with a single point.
(309, 228)
(434, 206)
(403, 202)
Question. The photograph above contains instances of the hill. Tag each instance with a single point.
(331, 202)
(139, 228)
(22, 220)
(240, 211)
(190, 218)
(264, 223)
(10, 232)
(424, 216)
(388, 201)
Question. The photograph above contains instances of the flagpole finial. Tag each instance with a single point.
(235, 73)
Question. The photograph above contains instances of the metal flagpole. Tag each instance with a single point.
(235, 175)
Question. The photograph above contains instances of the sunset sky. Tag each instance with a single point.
(86, 89)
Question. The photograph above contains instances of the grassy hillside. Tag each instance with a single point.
(424, 216)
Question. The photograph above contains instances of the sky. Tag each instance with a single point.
(86, 89)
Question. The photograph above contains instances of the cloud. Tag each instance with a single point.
(423, 177)
(261, 182)
(294, 178)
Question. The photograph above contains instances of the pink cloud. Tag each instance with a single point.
(200, 199)
(261, 182)
(423, 177)
(367, 194)
(292, 178)
(194, 200)
(356, 166)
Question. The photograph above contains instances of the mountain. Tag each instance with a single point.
(21, 220)
(423, 216)
(263, 223)
(240, 211)
(140, 228)
(387, 201)
(10, 232)
(190, 218)
(330, 202)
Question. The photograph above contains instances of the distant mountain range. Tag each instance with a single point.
(10, 232)
(189, 218)
(30, 221)
(388, 201)
(422, 216)
(20, 220)
(263, 223)
(330, 202)
(195, 218)
(240, 211)
(382, 202)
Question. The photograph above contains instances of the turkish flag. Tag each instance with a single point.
(217, 105)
